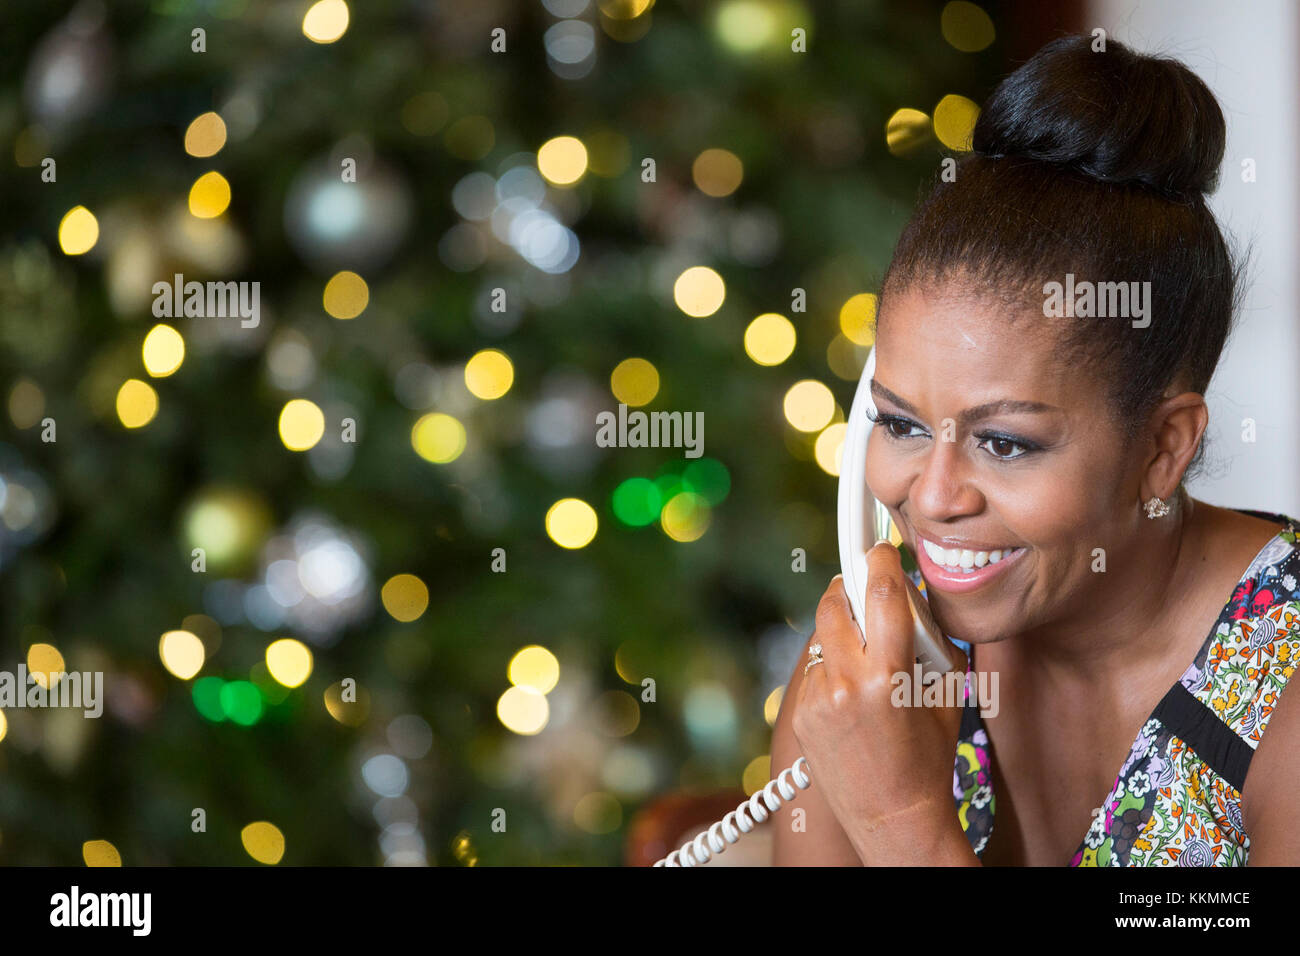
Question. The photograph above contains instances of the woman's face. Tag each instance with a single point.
(999, 457)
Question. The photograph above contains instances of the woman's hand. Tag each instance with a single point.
(885, 770)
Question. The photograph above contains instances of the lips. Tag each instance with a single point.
(963, 559)
(959, 570)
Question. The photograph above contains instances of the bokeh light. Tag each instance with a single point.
(699, 291)
(163, 351)
(43, 662)
(325, 21)
(302, 424)
(717, 172)
(263, 841)
(405, 597)
(206, 693)
(228, 523)
(523, 710)
(571, 523)
(772, 705)
(536, 667)
(617, 713)
(708, 478)
(100, 853)
(637, 502)
(634, 381)
(489, 374)
(756, 774)
(686, 517)
(182, 653)
(26, 403)
(954, 121)
(137, 403)
(858, 318)
(966, 26)
(829, 447)
(346, 295)
(562, 160)
(846, 358)
(809, 405)
(241, 702)
(206, 135)
(350, 713)
(289, 661)
(78, 231)
(906, 130)
(210, 195)
(438, 438)
(769, 339)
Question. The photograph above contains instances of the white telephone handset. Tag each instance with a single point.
(856, 508)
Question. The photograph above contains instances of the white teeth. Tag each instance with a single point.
(960, 559)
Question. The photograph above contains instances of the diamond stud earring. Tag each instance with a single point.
(1156, 508)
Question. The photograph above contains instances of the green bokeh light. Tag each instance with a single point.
(242, 702)
(708, 478)
(207, 698)
(637, 502)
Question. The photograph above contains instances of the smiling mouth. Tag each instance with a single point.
(961, 560)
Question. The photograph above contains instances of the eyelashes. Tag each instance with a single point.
(994, 439)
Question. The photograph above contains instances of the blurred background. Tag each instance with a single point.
(363, 586)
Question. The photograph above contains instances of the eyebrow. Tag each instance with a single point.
(969, 415)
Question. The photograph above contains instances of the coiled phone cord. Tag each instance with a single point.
(694, 852)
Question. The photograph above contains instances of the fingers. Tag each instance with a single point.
(835, 630)
(888, 612)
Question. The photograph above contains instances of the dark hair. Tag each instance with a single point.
(1096, 164)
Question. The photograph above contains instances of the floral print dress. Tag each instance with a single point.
(1177, 799)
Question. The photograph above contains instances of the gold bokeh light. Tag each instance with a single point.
(325, 21)
(210, 195)
(489, 374)
(206, 135)
(346, 295)
(809, 405)
(571, 523)
(405, 597)
(137, 403)
(699, 291)
(163, 351)
(302, 424)
(634, 381)
(438, 438)
(78, 231)
(562, 160)
(770, 339)
(536, 667)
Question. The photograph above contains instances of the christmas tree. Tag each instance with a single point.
(307, 316)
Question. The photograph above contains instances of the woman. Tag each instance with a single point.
(1032, 457)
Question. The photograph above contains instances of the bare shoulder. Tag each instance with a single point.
(1235, 535)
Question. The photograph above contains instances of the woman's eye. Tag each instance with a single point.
(901, 428)
(1003, 448)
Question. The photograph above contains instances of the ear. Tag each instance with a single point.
(1177, 425)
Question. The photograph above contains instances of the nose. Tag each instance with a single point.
(942, 489)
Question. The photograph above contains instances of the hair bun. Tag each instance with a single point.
(1116, 117)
